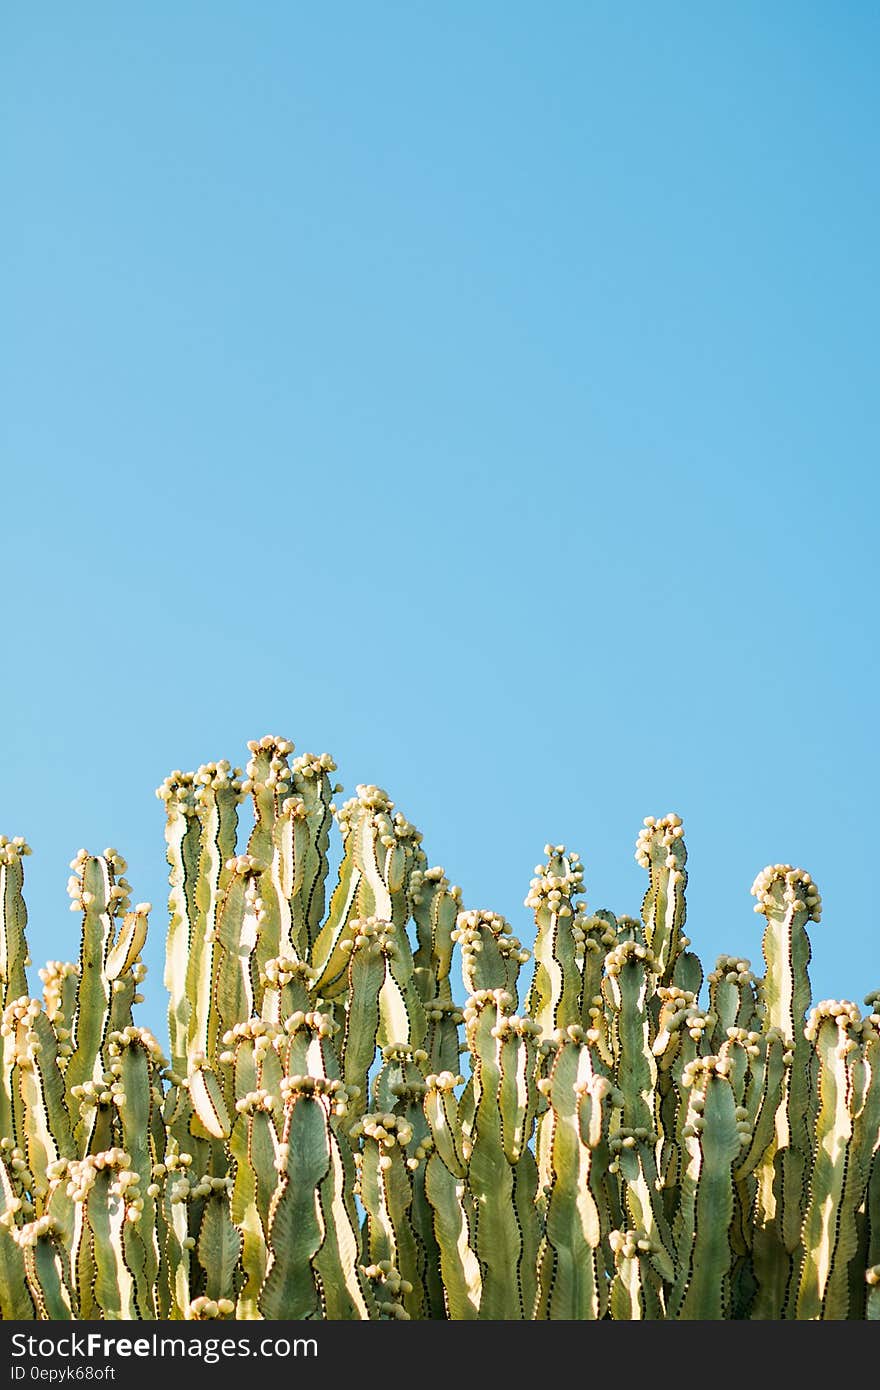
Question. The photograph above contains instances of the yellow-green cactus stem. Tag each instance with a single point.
(445, 1190)
(789, 900)
(848, 1087)
(345, 1290)
(136, 1062)
(595, 935)
(311, 843)
(183, 942)
(713, 1140)
(660, 849)
(296, 1225)
(218, 793)
(385, 1189)
(491, 956)
(435, 906)
(284, 984)
(400, 1087)
(13, 920)
(218, 1246)
(44, 1263)
(98, 891)
(573, 1284)
(269, 781)
(497, 1237)
(15, 1298)
(733, 1000)
(555, 996)
(631, 975)
(443, 1020)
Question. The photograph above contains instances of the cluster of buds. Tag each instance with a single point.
(205, 1309)
(281, 970)
(94, 1093)
(12, 851)
(29, 1233)
(696, 1076)
(18, 1021)
(679, 1013)
(661, 841)
(513, 1025)
(208, 1186)
(404, 1052)
(630, 953)
(118, 887)
(246, 865)
(253, 1101)
(314, 765)
(269, 766)
(377, 932)
(263, 1034)
(731, 970)
(434, 877)
(398, 832)
(443, 1081)
(52, 977)
(16, 1166)
(593, 933)
(624, 1138)
(320, 1025)
(334, 1093)
(852, 1028)
(212, 778)
(368, 797)
(472, 928)
(500, 999)
(596, 1015)
(556, 883)
(632, 1243)
(179, 788)
(125, 1184)
(132, 1036)
(386, 1129)
(779, 886)
(748, 1039)
(438, 1009)
(388, 1281)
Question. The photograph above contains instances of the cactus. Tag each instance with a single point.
(337, 1132)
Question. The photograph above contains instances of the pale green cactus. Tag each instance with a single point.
(339, 1133)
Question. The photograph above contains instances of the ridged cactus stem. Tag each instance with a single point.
(631, 972)
(385, 1187)
(848, 1117)
(713, 1141)
(573, 1284)
(445, 1189)
(13, 921)
(661, 850)
(182, 838)
(555, 996)
(435, 908)
(98, 895)
(788, 899)
(497, 1233)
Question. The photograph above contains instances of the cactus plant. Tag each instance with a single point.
(336, 1132)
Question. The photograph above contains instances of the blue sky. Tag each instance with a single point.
(485, 394)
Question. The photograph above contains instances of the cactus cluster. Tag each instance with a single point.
(336, 1129)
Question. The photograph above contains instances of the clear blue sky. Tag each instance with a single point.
(483, 393)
